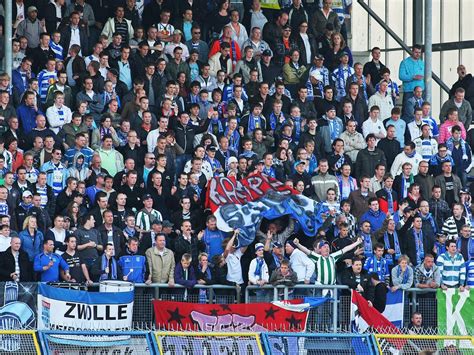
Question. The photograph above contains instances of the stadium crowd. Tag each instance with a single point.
(118, 114)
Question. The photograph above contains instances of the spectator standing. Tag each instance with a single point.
(15, 264)
(161, 262)
(411, 73)
(452, 267)
(402, 274)
(48, 264)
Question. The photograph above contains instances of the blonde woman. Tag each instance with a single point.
(402, 274)
(31, 238)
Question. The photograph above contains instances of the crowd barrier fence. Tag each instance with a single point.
(268, 343)
(333, 316)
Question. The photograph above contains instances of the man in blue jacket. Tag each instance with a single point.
(412, 73)
(374, 215)
(133, 265)
(49, 264)
(22, 74)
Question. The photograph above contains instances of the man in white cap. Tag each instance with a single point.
(258, 270)
(31, 27)
(176, 42)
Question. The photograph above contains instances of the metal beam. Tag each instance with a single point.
(442, 47)
(8, 37)
(417, 21)
(428, 48)
(398, 40)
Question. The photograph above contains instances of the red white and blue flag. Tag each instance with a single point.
(288, 316)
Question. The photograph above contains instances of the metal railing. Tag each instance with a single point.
(318, 317)
(333, 316)
(144, 294)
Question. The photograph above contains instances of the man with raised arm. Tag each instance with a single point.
(326, 262)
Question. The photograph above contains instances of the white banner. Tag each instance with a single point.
(62, 309)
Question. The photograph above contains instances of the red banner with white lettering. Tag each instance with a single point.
(253, 317)
(227, 190)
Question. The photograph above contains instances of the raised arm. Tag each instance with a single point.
(230, 243)
(352, 246)
(301, 247)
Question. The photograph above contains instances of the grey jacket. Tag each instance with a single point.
(319, 22)
(441, 181)
(465, 112)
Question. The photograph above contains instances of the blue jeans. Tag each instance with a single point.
(407, 116)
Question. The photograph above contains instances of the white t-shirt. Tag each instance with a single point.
(234, 269)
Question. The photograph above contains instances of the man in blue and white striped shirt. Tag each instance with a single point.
(451, 267)
(47, 77)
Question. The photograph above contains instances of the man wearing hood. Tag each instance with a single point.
(22, 211)
(79, 168)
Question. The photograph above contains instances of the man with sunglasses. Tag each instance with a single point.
(56, 172)
(196, 43)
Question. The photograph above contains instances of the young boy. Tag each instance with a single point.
(313, 161)
(350, 219)
(55, 46)
(340, 242)
(284, 276)
(185, 275)
(130, 231)
(194, 185)
(378, 264)
(247, 151)
(392, 88)
(258, 270)
(216, 166)
(440, 244)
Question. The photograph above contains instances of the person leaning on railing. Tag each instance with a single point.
(160, 261)
(427, 274)
(451, 267)
(284, 276)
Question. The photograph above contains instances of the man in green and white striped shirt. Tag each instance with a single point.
(147, 215)
(326, 262)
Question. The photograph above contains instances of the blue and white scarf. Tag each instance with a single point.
(259, 268)
(57, 50)
(390, 259)
(215, 164)
(352, 186)
(450, 145)
(269, 171)
(254, 123)
(276, 121)
(112, 268)
(368, 250)
(335, 129)
(389, 200)
(234, 140)
(215, 126)
(420, 251)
